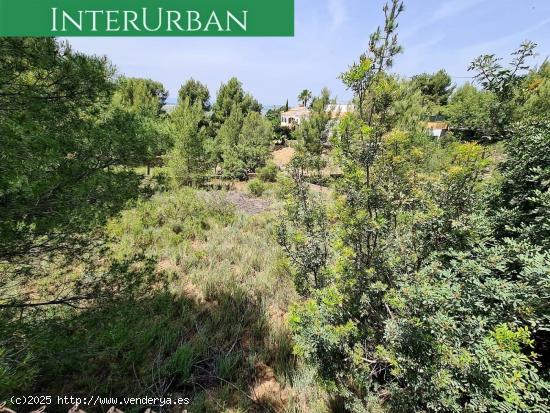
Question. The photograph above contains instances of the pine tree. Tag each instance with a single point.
(188, 161)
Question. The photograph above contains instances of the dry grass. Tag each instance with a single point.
(282, 157)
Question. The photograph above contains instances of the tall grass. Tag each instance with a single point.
(218, 318)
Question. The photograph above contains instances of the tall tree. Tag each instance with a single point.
(313, 133)
(523, 203)
(282, 133)
(140, 95)
(188, 160)
(305, 96)
(144, 99)
(229, 95)
(383, 47)
(503, 82)
(245, 142)
(436, 87)
(420, 307)
(469, 111)
(195, 91)
(228, 145)
(536, 94)
(255, 140)
(60, 139)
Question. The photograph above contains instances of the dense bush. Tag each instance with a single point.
(425, 303)
(64, 143)
(522, 203)
(268, 173)
(419, 281)
(433, 294)
(256, 187)
(162, 225)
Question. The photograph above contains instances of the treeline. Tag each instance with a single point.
(200, 140)
(230, 138)
(425, 280)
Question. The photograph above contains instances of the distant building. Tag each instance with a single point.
(437, 129)
(295, 116)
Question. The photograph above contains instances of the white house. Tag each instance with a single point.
(295, 116)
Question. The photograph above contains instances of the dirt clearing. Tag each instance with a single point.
(247, 204)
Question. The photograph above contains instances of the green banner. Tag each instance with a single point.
(146, 18)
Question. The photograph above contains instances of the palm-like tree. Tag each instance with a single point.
(304, 97)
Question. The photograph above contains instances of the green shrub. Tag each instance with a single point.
(268, 173)
(256, 187)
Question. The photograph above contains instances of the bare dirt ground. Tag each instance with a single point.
(282, 157)
(247, 204)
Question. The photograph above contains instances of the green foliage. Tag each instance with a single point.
(431, 298)
(244, 142)
(305, 96)
(229, 95)
(503, 83)
(144, 96)
(201, 333)
(160, 226)
(228, 140)
(274, 115)
(522, 204)
(255, 140)
(470, 109)
(448, 329)
(63, 143)
(358, 79)
(195, 91)
(436, 87)
(536, 94)
(268, 173)
(281, 133)
(501, 80)
(243, 137)
(256, 187)
(382, 49)
(313, 133)
(421, 275)
(188, 159)
(40, 335)
(304, 233)
(509, 95)
(416, 296)
(144, 99)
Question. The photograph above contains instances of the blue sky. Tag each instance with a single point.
(331, 34)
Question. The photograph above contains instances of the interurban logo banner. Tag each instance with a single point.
(146, 18)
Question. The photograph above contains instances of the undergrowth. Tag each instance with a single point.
(212, 327)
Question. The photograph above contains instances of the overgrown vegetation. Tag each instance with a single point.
(432, 293)
(380, 270)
